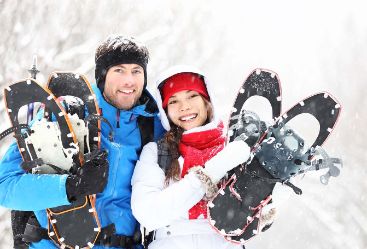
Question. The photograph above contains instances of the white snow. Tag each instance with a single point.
(116, 40)
(312, 45)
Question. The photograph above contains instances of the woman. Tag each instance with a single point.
(170, 191)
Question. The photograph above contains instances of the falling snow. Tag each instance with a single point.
(311, 46)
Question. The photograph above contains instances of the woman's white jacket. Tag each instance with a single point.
(156, 205)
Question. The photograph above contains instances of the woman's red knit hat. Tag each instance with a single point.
(180, 82)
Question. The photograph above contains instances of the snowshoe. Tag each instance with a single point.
(278, 153)
(55, 147)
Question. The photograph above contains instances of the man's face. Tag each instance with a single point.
(124, 85)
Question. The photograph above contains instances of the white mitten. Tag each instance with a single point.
(232, 155)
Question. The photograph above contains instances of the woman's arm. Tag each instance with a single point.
(155, 205)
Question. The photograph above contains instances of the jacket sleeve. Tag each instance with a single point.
(153, 204)
(22, 191)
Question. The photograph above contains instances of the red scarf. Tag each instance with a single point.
(196, 148)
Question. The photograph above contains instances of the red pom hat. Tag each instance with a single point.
(180, 82)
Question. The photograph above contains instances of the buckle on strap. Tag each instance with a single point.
(109, 238)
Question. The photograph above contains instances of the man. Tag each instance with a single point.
(130, 109)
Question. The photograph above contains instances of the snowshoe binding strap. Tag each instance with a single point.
(333, 164)
(248, 127)
(282, 153)
(30, 165)
(92, 117)
(253, 174)
(13, 129)
(296, 190)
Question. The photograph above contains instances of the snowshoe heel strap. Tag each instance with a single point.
(108, 238)
(28, 166)
(13, 129)
(296, 190)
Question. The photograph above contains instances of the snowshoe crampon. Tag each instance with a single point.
(279, 153)
(53, 146)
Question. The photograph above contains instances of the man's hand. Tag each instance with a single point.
(90, 179)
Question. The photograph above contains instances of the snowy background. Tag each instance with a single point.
(312, 45)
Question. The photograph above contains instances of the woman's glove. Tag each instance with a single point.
(267, 217)
(232, 155)
(90, 179)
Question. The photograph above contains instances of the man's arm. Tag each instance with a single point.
(22, 191)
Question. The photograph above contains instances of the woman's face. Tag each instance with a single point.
(187, 109)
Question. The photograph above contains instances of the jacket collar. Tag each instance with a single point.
(146, 105)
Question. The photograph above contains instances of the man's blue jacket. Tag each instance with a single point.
(22, 191)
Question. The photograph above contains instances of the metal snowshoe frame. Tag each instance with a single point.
(260, 174)
(29, 91)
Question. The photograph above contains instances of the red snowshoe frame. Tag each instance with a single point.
(234, 212)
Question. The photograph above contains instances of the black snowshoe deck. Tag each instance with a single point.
(29, 91)
(76, 85)
(81, 214)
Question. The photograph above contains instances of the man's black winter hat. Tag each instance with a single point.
(119, 50)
